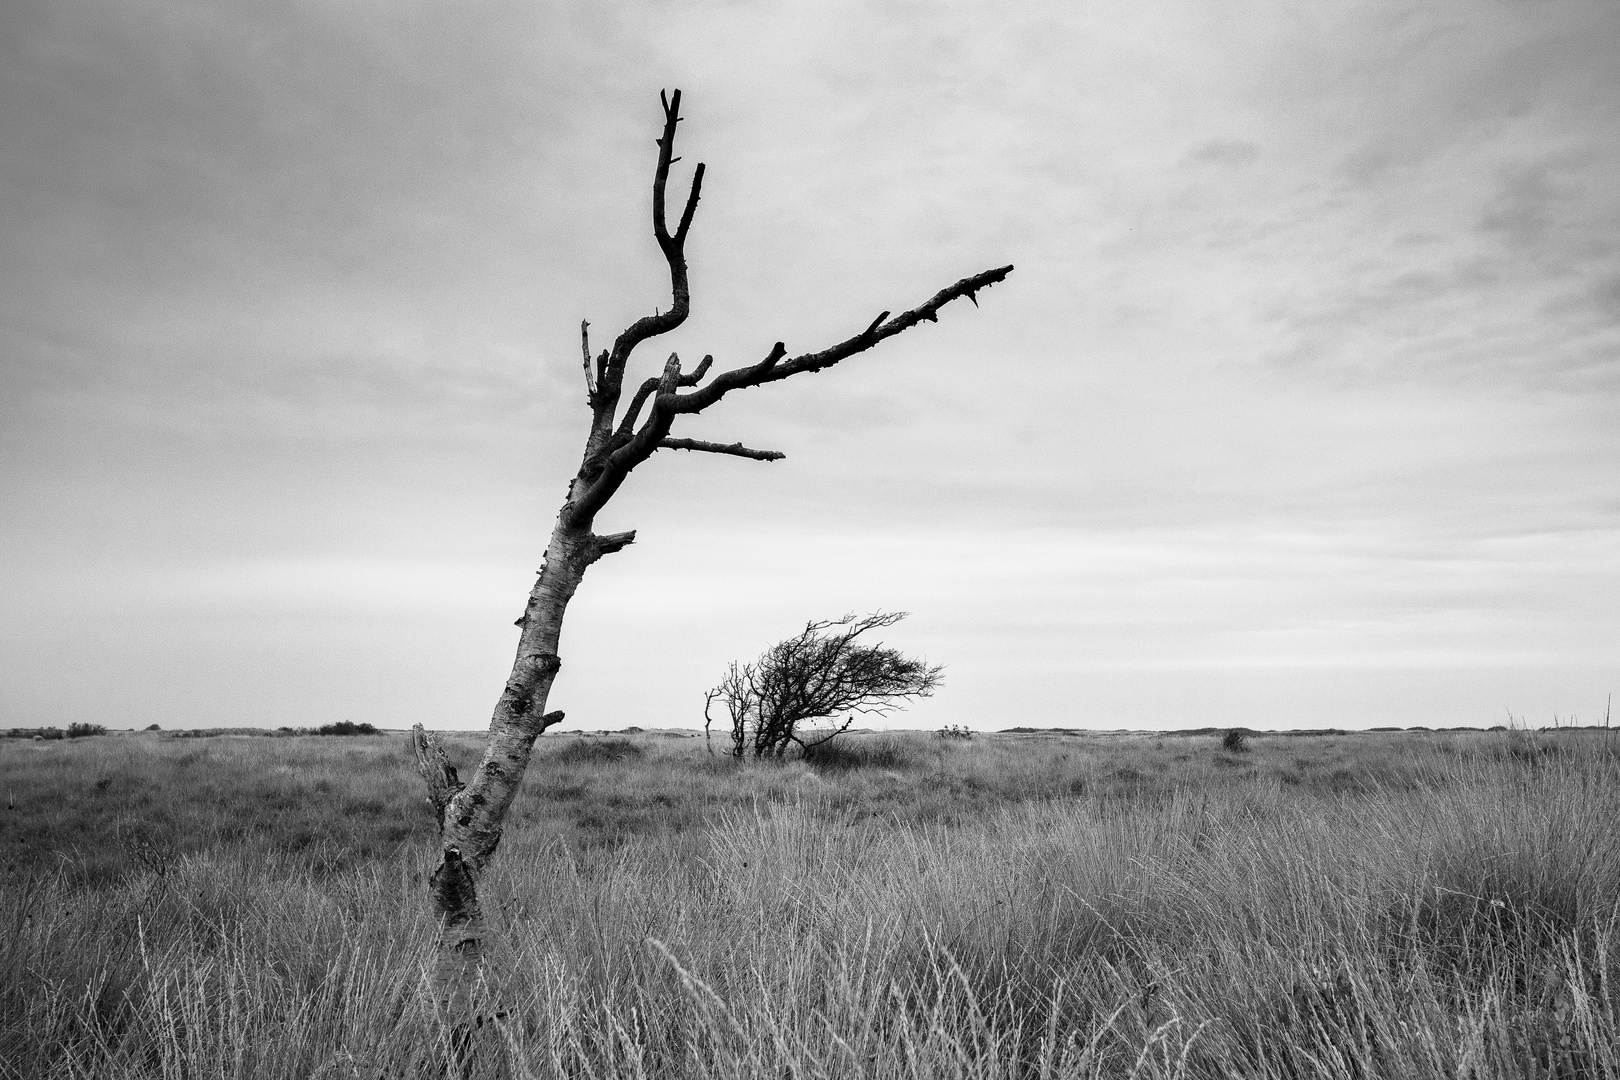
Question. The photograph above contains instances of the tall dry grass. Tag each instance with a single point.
(1360, 906)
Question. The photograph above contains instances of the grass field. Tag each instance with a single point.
(1366, 905)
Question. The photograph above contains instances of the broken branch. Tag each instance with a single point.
(735, 449)
(607, 545)
(436, 770)
(585, 348)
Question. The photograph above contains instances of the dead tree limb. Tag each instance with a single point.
(735, 449)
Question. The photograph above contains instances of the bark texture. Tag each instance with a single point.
(471, 813)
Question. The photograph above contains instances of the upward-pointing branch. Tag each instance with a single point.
(610, 381)
(585, 347)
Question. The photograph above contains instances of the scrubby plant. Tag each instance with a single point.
(80, 731)
(346, 727)
(1235, 741)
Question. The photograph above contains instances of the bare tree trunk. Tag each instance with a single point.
(471, 814)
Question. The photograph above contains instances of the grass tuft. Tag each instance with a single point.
(862, 752)
(596, 751)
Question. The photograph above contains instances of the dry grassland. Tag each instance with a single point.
(1369, 905)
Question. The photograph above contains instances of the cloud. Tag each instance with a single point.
(1517, 295)
(1229, 152)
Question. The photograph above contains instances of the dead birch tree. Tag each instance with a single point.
(471, 812)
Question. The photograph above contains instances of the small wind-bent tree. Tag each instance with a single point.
(820, 674)
(471, 813)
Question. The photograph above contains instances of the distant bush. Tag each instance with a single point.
(80, 731)
(49, 733)
(346, 727)
(154, 727)
(1235, 741)
(956, 731)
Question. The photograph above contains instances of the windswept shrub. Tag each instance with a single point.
(80, 731)
(1235, 741)
(822, 673)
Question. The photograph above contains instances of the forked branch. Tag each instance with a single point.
(610, 380)
(647, 389)
(624, 451)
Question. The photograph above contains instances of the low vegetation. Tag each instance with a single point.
(346, 727)
(1371, 905)
(74, 731)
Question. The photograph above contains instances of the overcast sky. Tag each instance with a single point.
(1302, 407)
